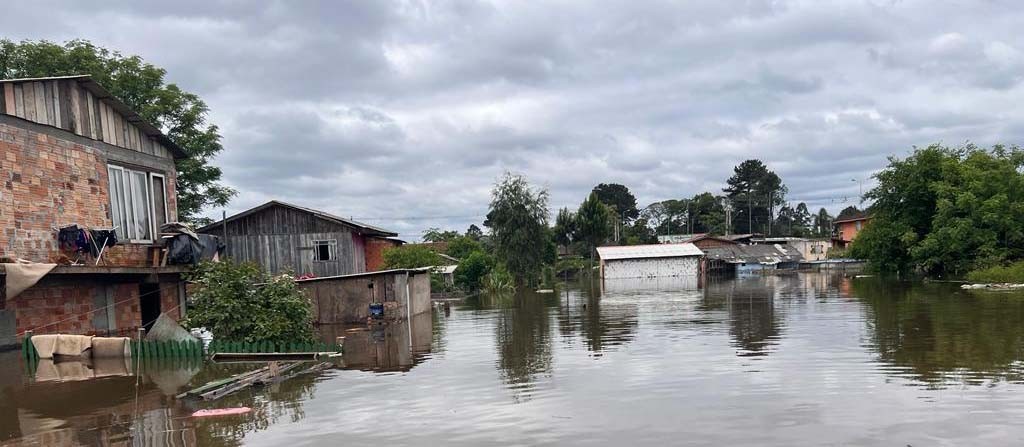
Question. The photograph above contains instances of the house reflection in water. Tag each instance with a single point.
(393, 347)
(58, 407)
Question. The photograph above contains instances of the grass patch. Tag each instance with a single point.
(1013, 273)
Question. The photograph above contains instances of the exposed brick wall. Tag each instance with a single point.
(48, 182)
(76, 302)
(375, 252)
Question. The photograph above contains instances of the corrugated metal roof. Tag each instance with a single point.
(129, 114)
(648, 251)
(764, 254)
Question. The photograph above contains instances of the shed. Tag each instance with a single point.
(650, 261)
(751, 258)
(283, 237)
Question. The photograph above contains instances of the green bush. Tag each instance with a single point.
(1013, 273)
(410, 257)
(241, 302)
(472, 270)
(499, 281)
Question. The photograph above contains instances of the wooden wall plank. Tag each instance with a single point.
(55, 103)
(47, 104)
(8, 101)
(9, 98)
(88, 114)
(19, 101)
(40, 102)
(66, 106)
(30, 101)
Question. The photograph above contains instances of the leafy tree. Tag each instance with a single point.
(754, 191)
(437, 235)
(639, 232)
(946, 211)
(242, 302)
(667, 216)
(180, 114)
(474, 232)
(592, 222)
(850, 212)
(822, 223)
(473, 268)
(410, 256)
(565, 227)
(518, 219)
(462, 246)
(618, 198)
(707, 213)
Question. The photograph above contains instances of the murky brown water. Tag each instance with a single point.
(805, 359)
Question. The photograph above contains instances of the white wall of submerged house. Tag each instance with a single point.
(650, 261)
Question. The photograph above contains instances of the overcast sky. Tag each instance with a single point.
(404, 114)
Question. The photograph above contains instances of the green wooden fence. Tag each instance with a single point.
(194, 349)
(269, 347)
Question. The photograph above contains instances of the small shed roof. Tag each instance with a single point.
(129, 114)
(747, 254)
(648, 251)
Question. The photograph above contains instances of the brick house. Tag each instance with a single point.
(846, 229)
(71, 153)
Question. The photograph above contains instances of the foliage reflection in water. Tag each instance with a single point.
(799, 358)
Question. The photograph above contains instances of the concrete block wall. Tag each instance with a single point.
(48, 180)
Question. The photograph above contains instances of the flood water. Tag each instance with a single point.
(800, 359)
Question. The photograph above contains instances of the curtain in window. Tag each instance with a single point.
(139, 191)
(117, 200)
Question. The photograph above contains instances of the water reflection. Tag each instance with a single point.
(523, 331)
(818, 357)
(393, 347)
(938, 334)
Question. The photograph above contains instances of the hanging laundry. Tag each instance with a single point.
(101, 238)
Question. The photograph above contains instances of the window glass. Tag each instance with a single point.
(141, 208)
(159, 202)
(323, 250)
(138, 203)
(117, 202)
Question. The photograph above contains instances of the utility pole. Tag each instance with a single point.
(769, 214)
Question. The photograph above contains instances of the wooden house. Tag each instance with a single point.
(282, 237)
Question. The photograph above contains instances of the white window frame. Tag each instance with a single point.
(332, 250)
(167, 215)
(126, 189)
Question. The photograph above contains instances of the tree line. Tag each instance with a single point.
(947, 211)
(522, 245)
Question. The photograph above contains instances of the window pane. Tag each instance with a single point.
(159, 202)
(117, 205)
(140, 205)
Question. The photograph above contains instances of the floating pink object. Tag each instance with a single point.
(221, 412)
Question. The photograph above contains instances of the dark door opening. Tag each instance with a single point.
(149, 304)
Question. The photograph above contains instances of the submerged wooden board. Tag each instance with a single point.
(264, 356)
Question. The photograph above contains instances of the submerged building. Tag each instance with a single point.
(82, 170)
(650, 261)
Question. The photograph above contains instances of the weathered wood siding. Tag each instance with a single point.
(281, 239)
(66, 104)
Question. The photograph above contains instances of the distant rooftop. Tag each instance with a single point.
(648, 251)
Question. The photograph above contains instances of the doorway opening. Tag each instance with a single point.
(149, 304)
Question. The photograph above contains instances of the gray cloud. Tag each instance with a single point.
(406, 110)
